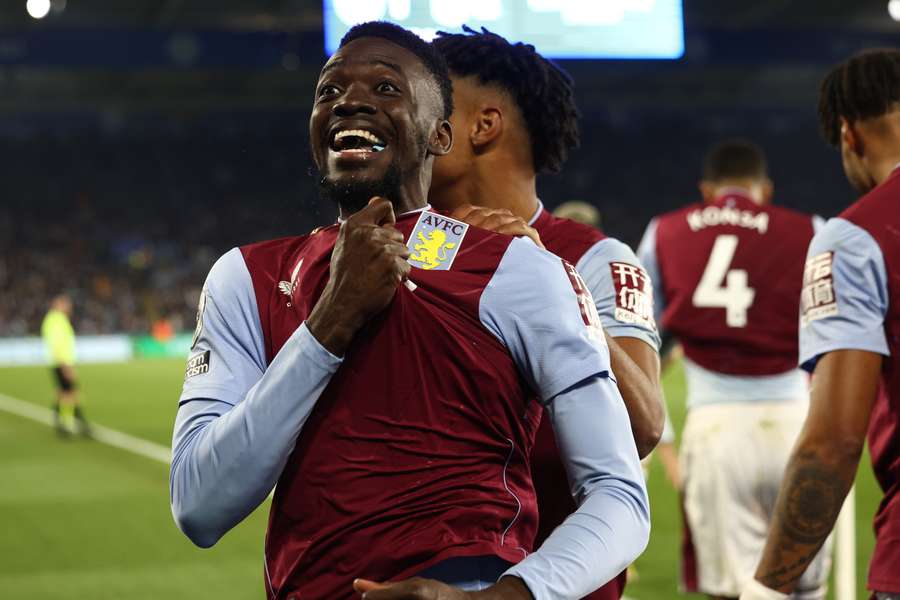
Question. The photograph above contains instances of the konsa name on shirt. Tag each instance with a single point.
(711, 216)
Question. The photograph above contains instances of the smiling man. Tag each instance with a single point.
(376, 372)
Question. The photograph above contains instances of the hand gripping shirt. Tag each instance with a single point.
(851, 301)
(414, 447)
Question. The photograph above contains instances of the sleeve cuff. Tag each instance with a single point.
(315, 351)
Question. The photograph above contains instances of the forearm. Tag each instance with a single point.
(640, 391)
(226, 460)
(612, 524)
(816, 481)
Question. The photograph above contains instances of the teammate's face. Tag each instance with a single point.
(451, 169)
(375, 123)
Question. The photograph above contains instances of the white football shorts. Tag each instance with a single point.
(733, 457)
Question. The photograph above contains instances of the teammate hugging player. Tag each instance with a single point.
(514, 116)
(727, 274)
(377, 371)
(849, 338)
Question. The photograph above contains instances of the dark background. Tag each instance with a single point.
(141, 139)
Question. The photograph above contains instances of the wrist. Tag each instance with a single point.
(757, 591)
(507, 588)
(332, 326)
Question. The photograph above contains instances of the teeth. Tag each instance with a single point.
(360, 133)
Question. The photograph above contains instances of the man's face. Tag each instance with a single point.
(375, 108)
(451, 168)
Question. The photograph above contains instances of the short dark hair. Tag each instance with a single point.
(432, 60)
(735, 159)
(862, 87)
(542, 91)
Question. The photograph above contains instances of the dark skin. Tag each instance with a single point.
(491, 166)
(845, 383)
(375, 85)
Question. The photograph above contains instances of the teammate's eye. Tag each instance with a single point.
(387, 86)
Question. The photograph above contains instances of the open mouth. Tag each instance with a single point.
(356, 141)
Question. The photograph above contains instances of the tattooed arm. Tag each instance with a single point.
(822, 466)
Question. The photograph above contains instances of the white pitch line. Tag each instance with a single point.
(102, 434)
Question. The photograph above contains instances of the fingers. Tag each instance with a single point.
(411, 589)
(519, 228)
(478, 216)
(379, 211)
(461, 212)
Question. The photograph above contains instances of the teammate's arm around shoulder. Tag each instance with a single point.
(238, 418)
(541, 309)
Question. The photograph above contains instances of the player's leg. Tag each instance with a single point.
(64, 410)
(720, 474)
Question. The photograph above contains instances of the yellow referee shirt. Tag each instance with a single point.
(59, 338)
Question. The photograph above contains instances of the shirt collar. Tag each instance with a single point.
(537, 213)
(409, 212)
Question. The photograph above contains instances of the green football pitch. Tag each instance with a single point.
(84, 520)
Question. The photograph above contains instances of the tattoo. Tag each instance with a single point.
(811, 497)
(812, 504)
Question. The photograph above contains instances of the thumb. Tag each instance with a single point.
(379, 211)
(362, 586)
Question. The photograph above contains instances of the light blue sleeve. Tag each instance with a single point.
(611, 527)
(543, 313)
(845, 297)
(238, 423)
(646, 253)
(622, 291)
(546, 318)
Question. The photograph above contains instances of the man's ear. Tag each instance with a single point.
(768, 190)
(487, 127)
(707, 190)
(850, 137)
(442, 139)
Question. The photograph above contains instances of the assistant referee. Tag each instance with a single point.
(59, 339)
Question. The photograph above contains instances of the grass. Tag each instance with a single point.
(84, 521)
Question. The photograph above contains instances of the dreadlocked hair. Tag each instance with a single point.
(541, 90)
(865, 86)
(432, 60)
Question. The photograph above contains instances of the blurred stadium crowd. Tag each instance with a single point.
(128, 216)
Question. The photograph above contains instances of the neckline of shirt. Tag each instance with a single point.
(537, 213)
(409, 212)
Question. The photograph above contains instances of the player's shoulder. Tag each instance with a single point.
(533, 267)
(566, 238)
(842, 235)
(676, 216)
(878, 207)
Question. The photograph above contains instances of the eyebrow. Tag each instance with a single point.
(375, 61)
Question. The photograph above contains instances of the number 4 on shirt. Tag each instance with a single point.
(735, 296)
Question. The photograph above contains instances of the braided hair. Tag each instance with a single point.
(432, 60)
(863, 87)
(542, 91)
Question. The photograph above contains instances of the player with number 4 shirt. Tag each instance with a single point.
(727, 275)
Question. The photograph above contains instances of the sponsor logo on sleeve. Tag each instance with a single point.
(634, 295)
(201, 307)
(435, 241)
(197, 365)
(585, 304)
(817, 300)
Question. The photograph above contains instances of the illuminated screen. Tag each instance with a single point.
(557, 28)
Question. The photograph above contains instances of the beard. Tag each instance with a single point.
(353, 194)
